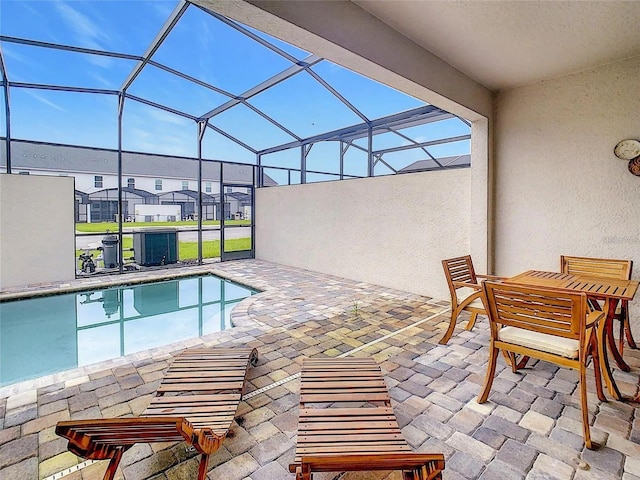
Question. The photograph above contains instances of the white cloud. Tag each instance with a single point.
(102, 80)
(87, 32)
(163, 9)
(11, 53)
(99, 60)
(168, 136)
(177, 143)
(166, 117)
(44, 100)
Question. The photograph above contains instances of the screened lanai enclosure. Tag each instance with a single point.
(169, 116)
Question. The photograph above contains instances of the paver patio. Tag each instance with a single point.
(530, 427)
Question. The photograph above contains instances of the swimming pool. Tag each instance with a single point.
(44, 335)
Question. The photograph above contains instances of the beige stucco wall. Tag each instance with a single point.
(391, 230)
(36, 229)
(559, 189)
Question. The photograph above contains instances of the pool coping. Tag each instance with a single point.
(112, 280)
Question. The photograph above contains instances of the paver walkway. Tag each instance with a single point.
(529, 429)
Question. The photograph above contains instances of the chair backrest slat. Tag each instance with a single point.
(543, 310)
(601, 267)
(459, 269)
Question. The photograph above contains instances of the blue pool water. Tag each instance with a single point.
(44, 335)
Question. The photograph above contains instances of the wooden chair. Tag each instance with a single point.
(196, 402)
(363, 437)
(603, 267)
(548, 324)
(466, 294)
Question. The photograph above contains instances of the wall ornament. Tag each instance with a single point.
(629, 149)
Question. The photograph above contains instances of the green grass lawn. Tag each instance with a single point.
(113, 226)
(188, 250)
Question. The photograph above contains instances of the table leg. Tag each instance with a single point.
(602, 351)
(611, 311)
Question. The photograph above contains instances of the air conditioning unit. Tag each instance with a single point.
(155, 246)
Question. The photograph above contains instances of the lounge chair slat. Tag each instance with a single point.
(345, 397)
(347, 383)
(191, 410)
(328, 426)
(202, 387)
(344, 387)
(205, 373)
(202, 420)
(349, 449)
(200, 399)
(342, 437)
(319, 374)
(348, 412)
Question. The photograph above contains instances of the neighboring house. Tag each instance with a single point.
(103, 204)
(422, 165)
(147, 179)
(188, 200)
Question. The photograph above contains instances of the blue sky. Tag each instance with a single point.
(204, 48)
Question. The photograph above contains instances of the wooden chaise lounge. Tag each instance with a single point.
(362, 437)
(196, 402)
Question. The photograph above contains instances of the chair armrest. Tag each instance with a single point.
(475, 286)
(594, 317)
(491, 277)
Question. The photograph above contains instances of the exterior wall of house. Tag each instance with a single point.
(36, 231)
(559, 187)
(392, 230)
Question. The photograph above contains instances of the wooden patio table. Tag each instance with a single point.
(610, 290)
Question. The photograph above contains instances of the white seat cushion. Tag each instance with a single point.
(477, 303)
(464, 293)
(565, 347)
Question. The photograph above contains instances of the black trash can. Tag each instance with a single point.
(110, 251)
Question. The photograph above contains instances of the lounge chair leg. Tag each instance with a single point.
(472, 321)
(254, 358)
(491, 371)
(303, 473)
(113, 464)
(422, 473)
(202, 469)
(452, 327)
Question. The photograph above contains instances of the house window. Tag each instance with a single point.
(185, 185)
(207, 187)
(158, 184)
(97, 181)
(131, 182)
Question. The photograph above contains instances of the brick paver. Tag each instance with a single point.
(530, 427)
